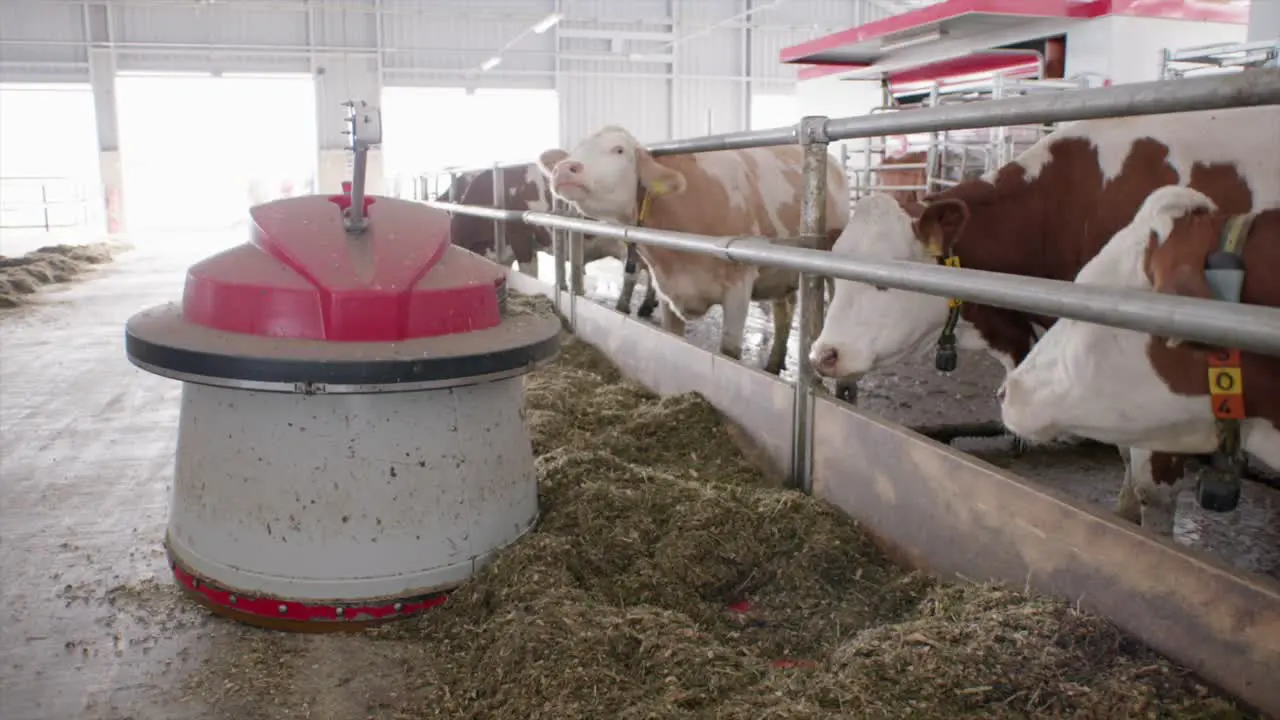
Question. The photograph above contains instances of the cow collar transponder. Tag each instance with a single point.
(646, 194)
(945, 358)
(1224, 273)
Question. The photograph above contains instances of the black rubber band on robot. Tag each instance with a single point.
(372, 372)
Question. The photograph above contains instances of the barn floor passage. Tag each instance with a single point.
(88, 458)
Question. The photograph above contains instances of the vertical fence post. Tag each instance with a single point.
(577, 279)
(1003, 137)
(813, 227)
(557, 249)
(499, 226)
(573, 248)
(931, 156)
(44, 204)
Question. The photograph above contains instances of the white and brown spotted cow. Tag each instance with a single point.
(723, 193)
(524, 189)
(1045, 214)
(1129, 388)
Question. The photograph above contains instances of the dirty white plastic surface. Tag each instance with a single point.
(349, 497)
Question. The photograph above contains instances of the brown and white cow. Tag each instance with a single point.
(1045, 214)
(524, 188)
(723, 193)
(1129, 388)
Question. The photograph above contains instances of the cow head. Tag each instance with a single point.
(602, 174)
(869, 327)
(1098, 382)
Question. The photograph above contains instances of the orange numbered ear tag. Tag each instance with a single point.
(1226, 385)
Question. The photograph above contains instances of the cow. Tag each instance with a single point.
(1129, 388)
(1044, 214)
(524, 188)
(756, 192)
(458, 185)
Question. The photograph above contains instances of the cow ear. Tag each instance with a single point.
(548, 159)
(940, 224)
(656, 178)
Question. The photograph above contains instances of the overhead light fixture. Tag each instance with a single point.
(912, 40)
(547, 23)
(491, 63)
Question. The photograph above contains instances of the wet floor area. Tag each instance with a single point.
(93, 627)
(917, 395)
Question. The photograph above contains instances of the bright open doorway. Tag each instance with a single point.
(197, 150)
(49, 178)
(426, 129)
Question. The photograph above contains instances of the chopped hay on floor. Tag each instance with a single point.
(22, 276)
(666, 580)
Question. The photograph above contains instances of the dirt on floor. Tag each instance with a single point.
(21, 277)
(668, 579)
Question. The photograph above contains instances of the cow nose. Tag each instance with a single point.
(824, 359)
(572, 168)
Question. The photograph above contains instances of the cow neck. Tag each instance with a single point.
(1006, 331)
(1224, 273)
(644, 202)
(945, 356)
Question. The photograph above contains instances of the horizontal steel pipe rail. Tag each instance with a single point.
(1247, 327)
(1257, 87)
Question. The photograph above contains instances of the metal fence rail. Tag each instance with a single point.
(1258, 87)
(1246, 327)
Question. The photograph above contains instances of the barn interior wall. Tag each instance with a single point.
(832, 96)
(1126, 49)
(663, 68)
(1264, 21)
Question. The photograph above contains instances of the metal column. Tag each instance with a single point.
(813, 228)
(577, 279)
(558, 250)
(499, 226)
(932, 159)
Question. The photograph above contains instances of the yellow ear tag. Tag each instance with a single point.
(953, 261)
(657, 187)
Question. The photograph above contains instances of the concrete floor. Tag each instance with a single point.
(93, 626)
(86, 466)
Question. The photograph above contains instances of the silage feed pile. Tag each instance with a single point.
(666, 580)
(23, 276)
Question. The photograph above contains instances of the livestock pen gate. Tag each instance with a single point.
(951, 155)
(941, 509)
(1219, 59)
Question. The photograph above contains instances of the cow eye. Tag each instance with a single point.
(880, 288)
(617, 150)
